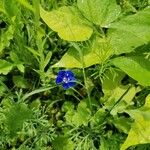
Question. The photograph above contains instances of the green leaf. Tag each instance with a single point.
(97, 52)
(11, 7)
(5, 67)
(82, 116)
(112, 142)
(63, 143)
(136, 67)
(20, 82)
(2, 7)
(140, 131)
(68, 22)
(122, 123)
(5, 38)
(100, 12)
(26, 4)
(130, 32)
(15, 116)
(113, 90)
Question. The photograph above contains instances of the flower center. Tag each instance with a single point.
(66, 80)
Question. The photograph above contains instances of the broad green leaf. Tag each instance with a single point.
(97, 52)
(113, 90)
(63, 143)
(5, 67)
(140, 130)
(100, 12)
(130, 32)
(136, 67)
(68, 22)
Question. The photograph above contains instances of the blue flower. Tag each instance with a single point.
(66, 78)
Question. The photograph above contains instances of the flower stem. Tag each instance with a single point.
(83, 71)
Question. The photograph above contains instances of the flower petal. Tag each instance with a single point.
(71, 84)
(65, 86)
(59, 80)
(61, 73)
(69, 73)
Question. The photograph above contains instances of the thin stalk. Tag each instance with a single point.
(84, 74)
(36, 92)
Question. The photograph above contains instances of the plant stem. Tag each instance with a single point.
(83, 71)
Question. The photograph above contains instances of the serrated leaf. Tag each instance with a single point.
(68, 22)
(100, 12)
(140, 131)
(133, 29)
(82, 116)
(15, 116)
(136, 67)
(5, 66)
(96, 53)
(63, 143)
(5, 38)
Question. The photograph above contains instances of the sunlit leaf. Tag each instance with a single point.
(130, 32)
(136, 67)
(100, 12)
(5, 38)
(96, 52)
(113, 90)
(140, 130)
(68, 22)
(5, 66)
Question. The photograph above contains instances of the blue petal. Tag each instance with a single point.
(59, 80)
(61, 73)
(69, 73)
(71, 84)
(65, 86)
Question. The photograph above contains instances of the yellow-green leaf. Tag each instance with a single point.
(136, 67)
(68, 22)
(140, 130)
(130, 32)
(100, 12)
(96, 53)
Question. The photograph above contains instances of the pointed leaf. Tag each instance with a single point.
(136, 67)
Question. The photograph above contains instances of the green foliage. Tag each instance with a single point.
(68, 23)
(135, 66)
(134, 29)
(5, 66)
(99, 12)
(107, 45)
(140, 129)
(96, 52)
